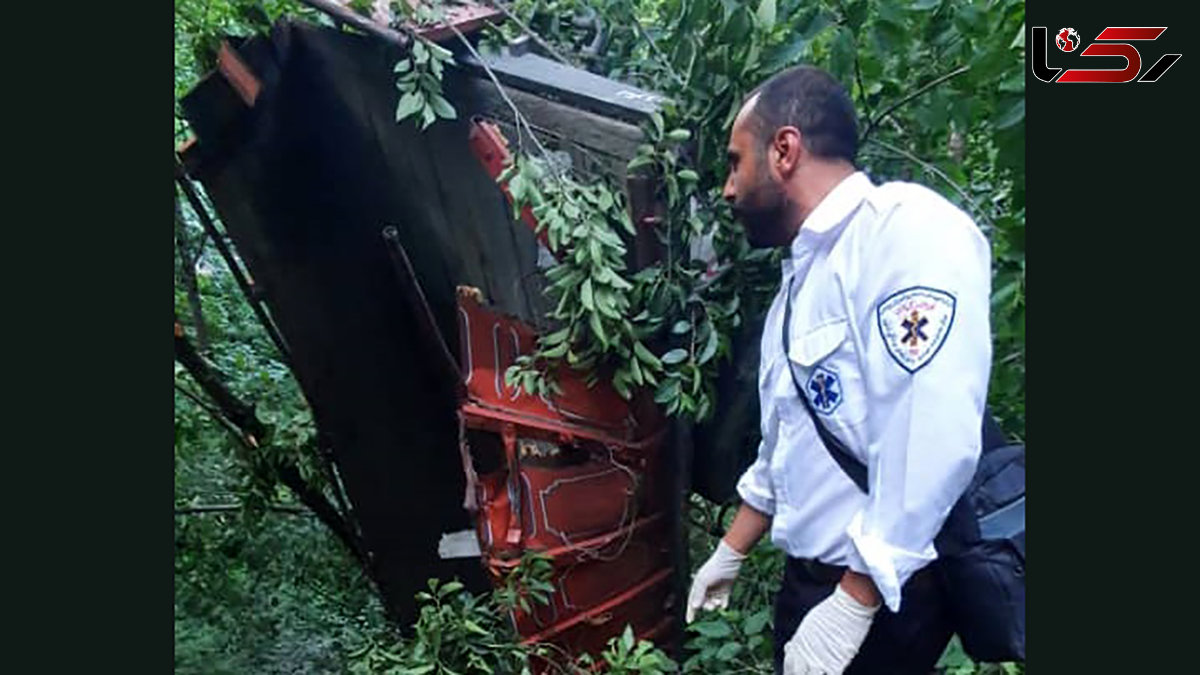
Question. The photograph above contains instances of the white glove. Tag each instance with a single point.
(714, 580)
(829, 636)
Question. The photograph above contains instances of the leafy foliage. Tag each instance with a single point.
(459, 633)
(420, 83)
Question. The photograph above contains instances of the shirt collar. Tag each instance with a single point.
(833, 209)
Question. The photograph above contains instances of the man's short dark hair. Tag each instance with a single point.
(811, 100)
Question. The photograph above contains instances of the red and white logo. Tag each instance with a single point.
(1112, 41)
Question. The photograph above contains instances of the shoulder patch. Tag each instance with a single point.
(914, 324)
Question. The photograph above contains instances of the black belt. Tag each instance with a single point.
(814, 569)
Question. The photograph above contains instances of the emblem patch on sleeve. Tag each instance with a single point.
(914, 324)
(824, 390)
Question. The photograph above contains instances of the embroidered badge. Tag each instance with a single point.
(914, 324)
(824, 390)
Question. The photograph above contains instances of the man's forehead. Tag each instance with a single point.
(743, 115)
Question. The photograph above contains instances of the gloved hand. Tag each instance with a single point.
(714, 580)
(829, 636)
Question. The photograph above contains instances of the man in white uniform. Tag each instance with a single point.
(889, 339)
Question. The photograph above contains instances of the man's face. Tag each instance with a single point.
(756, 196)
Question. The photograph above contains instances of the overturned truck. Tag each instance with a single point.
(402, 286)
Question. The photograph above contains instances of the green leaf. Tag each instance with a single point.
(439, 52)
(784, 54)
(922, 5)
(710, 347)
(841, 54)
(442, 107)
(605, 200)
(638, 162)
(557, 351)
(618, 383)
(766, 14)
(556, 337)
(627, 637)
(474, 627)
(1014, 115)
(713, 629)
(679, 135)
(586, 296)
(420, 54)
(674, 356)
(689, 176)
(681, 327)
(402, 66)
(728, 651)
(598, 328)
(657, 118)
(756, 622)
(428, 116)
(646, 355)
(409, 104)
(636, 370)
(1019, 40)
(668, 390)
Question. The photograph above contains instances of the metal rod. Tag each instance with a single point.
(428, 327)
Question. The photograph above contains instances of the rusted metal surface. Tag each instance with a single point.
(466, 17)
(574, 476)
(238, 74)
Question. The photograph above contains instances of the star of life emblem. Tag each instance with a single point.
(824, 390)
(914, 324)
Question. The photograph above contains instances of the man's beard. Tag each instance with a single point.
(763, 212)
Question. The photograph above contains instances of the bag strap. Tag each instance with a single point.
(993, 436)
(856, 470)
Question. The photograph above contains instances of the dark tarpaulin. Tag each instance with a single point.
(305, 181)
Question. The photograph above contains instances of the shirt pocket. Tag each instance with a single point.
(826, 368)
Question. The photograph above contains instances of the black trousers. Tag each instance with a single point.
(907, 643)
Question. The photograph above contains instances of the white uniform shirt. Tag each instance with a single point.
(890, 338)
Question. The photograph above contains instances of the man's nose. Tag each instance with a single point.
(729, 193)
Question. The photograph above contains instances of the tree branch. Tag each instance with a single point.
(921, 90)
(247, 289)
(347, 16)
(518, 118)
(208, 377)
(215, 414)
(654, 48)
(253, 431)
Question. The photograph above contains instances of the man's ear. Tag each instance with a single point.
(786, 150)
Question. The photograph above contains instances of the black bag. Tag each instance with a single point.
(981, 546)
